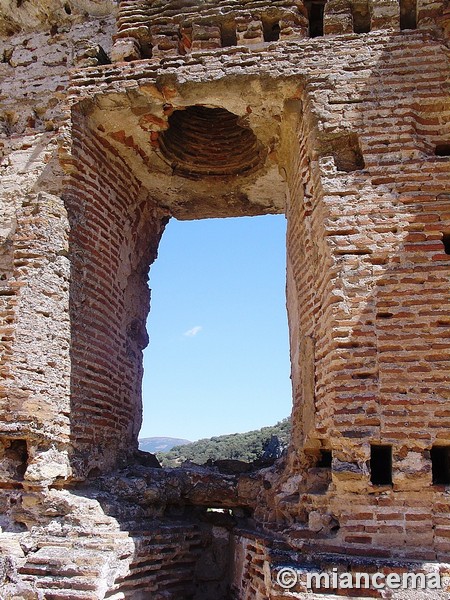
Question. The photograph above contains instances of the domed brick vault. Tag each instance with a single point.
(114, 118)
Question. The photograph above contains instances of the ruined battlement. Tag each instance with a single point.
(162, 29)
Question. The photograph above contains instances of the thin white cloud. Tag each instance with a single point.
(193, 332)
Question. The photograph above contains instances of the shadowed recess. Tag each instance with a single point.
(205, 141)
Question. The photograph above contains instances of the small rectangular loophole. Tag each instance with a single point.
(361, 18)
(381, 464)
(315, 16)
(442, 150)
(440, 465)
(271, 30)
(228, 34)
(446, 242)
(408, 14)
(325, 459)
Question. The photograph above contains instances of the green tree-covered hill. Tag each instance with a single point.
(246, 447)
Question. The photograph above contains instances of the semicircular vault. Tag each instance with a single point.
(203, 141)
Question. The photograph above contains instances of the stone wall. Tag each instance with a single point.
(259, 561)
(35, 351)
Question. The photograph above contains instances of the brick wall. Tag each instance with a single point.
(115, 232)
(259, 559)
(162, 29)
(173, 560)
(367, 272)
(35, 325)
(35, 270)
(349, 220)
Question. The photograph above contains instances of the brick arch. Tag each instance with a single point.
(204, 141)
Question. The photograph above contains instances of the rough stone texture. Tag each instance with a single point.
(106, 122)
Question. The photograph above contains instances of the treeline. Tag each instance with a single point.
(246, 447)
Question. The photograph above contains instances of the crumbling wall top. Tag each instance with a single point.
(20, 15)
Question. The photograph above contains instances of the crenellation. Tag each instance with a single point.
(250, 23)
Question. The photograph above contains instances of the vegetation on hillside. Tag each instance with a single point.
(247, 447)
(160, 444)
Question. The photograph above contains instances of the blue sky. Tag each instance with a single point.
(218, 358)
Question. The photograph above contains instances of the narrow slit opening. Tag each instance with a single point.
(385, 315)
(271, 30)
(408, 14)
(381, 465)
(316, 16)
(446, 242)
(440, 465)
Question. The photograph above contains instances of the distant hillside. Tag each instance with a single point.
(247, 447)
(160, 444)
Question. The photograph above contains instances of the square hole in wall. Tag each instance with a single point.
(345, 149)
(381, 464)
(325, 459)
(440, 465)
(442, 149)
(15, 454)
(446, 242)
(271, 29)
